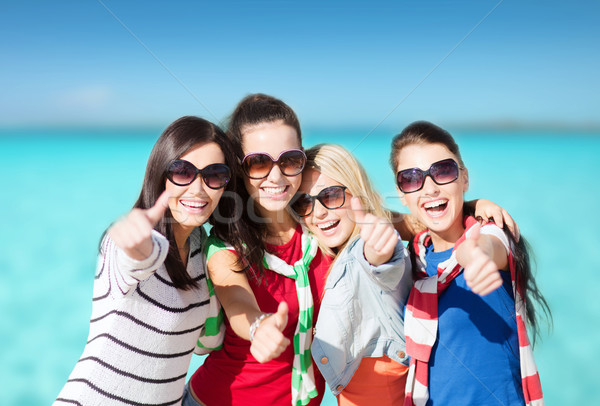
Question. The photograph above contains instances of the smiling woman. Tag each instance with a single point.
(474, 286)
(270, 264)
(152, 302)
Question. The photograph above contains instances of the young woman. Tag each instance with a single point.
(466, 317)
(151, 301)
(359, 341)
(268, 260)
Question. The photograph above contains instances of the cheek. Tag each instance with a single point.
(215, 195)
(308, 221)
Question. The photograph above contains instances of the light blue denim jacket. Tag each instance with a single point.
(362, 313)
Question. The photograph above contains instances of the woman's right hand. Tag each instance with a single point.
(378, 234)
(133, 233)
(269, 341)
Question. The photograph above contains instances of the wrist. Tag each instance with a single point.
(256, 323)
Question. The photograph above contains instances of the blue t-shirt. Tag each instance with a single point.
(475, 360)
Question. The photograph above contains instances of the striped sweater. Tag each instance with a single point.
(143, 330)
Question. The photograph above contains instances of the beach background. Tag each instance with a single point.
(89, 86)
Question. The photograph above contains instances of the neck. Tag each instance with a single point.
(444, 240)
(280, 227)
(181, 234)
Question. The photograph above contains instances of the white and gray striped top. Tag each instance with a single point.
(143, 330)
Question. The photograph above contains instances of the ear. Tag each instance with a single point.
(401, 195)
(465, 175)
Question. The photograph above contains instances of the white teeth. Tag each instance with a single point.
(274, 190)
(323, 226)
(195, 205)
(437, 203)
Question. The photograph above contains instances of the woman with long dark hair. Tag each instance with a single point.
(152, 302)
(467, 315)
(269, 261)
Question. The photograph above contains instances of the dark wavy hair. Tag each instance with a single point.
(249, 233)
(424, 132)
(178, 138)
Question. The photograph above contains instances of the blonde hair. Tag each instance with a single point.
(337, 163)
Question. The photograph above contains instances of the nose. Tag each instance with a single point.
(319, 211)
(430, 187)
(275, 174)
(197, 186)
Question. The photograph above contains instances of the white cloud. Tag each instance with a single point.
(86, 98)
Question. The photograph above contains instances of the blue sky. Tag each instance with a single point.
(338, 64)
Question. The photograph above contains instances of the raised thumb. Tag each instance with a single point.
(357, 209)
(474, 232)
(281, 317)
(156, 212)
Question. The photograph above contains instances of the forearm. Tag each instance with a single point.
(240, 307)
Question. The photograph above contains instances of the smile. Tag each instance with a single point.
(329, 225)
(274, 191)
(436, 208)
(193, 205)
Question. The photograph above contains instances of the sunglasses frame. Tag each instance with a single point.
(273, 162)
(319, 197)
(198, 172)
(427, 173)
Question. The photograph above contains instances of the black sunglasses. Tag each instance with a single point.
(183, 173)
(332, 197)
(258, 165)
(441, 172)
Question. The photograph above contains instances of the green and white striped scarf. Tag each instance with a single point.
(212, 334)
(303, 377)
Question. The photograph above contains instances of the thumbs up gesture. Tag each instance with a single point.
(133, 233)
(269, 341)
(480, 270)
(378, 234)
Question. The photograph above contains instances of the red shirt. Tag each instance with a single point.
(232, 376)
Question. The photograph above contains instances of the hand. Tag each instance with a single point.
(269, 341)
(485, 210)
(133, 233)
(377, 233)
(481, 272)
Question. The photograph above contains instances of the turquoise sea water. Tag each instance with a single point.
(62, 189)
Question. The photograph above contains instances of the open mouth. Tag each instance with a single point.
(330, 225)
(436, 207)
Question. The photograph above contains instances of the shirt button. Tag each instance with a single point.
(401, 354)
(339, 388)
(324, 360)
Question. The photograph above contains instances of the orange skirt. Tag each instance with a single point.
(377, 381)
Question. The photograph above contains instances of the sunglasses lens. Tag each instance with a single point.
(216, 176)
(302, 204)
(410, 180)
(257, 166)
(181, 172)
(332, 197)
(291, 163)
(443, 172)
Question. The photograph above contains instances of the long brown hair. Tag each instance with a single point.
(175, 141)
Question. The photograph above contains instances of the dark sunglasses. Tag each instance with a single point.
(441, 172)
(332, 197)
(183, 173)
(258, 165)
